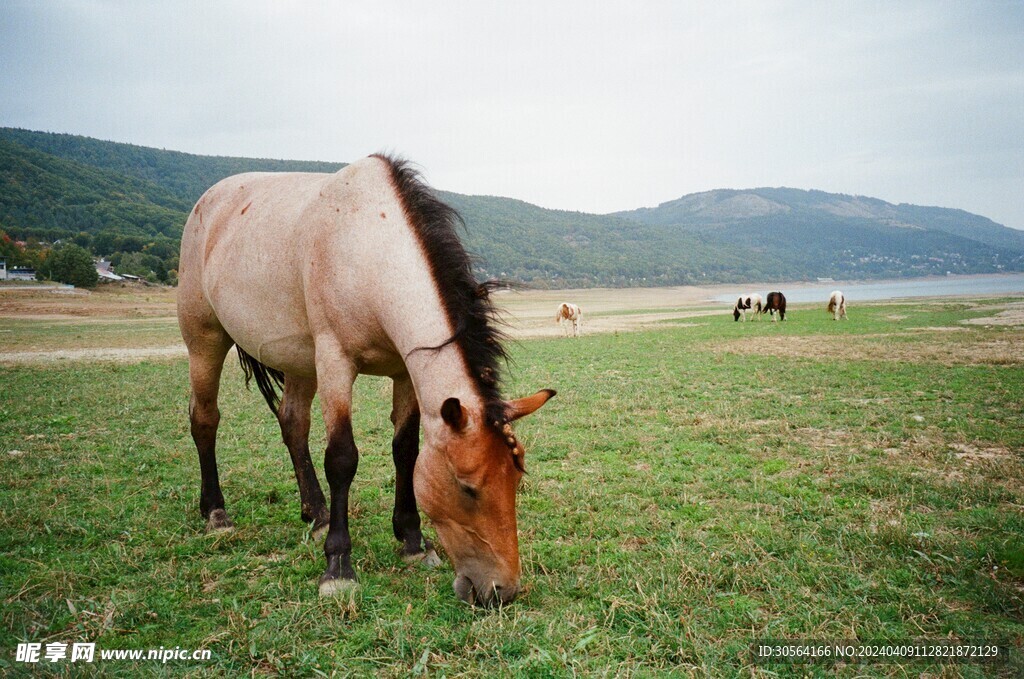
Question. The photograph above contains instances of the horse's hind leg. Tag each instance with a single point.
(405, 521)
(206, 354)
(293, 416)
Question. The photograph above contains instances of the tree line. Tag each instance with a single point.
(66, 257)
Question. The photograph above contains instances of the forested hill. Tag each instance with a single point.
(184, 175)
(130, 203)
(556, 248)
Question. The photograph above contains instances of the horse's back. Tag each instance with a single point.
(256, 244)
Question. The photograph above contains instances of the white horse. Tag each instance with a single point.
(751, 302)
(837, 305)
(570, 313)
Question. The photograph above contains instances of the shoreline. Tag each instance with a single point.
(741, 287)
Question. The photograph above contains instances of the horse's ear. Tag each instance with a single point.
(454, 414)
(522, 407)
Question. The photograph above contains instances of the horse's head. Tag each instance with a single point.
(466, 480)
(736, 313)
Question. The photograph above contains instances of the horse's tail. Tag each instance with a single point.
(267, 379)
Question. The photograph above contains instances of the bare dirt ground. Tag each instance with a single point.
(109, 301)
(43, 324)
(130, 322)
(1007, 314)
(532, 313)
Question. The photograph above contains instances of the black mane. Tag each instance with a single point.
(468, 304)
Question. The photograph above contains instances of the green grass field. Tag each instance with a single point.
(690, 490)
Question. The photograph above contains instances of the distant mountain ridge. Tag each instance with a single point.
(728, 206)
(115, 197)
(839, 235)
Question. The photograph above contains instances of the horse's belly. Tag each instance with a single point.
(294, 355)
(269, 324)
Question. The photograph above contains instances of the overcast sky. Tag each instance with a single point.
(584, 105)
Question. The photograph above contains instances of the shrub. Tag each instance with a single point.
(72, 264)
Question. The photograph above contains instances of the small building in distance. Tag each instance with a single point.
(16, 273)
(104, 271)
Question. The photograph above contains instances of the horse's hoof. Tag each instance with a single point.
(320, 531)
(219, 521)
(336, 586)
(429, 559)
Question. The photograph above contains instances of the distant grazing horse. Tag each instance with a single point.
(569, 314)
(751, 302)
(837, 305)
(318, 278)
(776, 301)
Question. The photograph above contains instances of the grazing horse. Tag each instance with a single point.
(775, 301)
(751, 302)
(837, 305)
(569, 314)
(318, 278)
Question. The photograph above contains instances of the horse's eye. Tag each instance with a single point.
(469, 491)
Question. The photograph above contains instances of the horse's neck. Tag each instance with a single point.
(411, 311)
(416, 323)
(439, 375)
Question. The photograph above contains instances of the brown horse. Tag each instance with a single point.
(775, 301)
(318, 278)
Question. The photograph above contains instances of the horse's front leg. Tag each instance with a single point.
(293, 416)
(405, 521)
(340, 463)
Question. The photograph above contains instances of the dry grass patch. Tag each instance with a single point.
(1008, 314)
(972, 454)
(829, 439)
(925, 345)
(118, 355)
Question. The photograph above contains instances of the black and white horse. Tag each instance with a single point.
(837, 305)
(776, 301)
(751, 302)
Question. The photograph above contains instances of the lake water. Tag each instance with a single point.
(1003, 284)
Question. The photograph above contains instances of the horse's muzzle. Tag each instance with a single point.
(495, 595)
